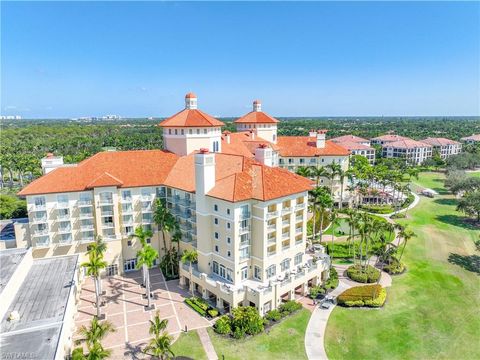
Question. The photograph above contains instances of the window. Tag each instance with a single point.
(198, 131)
(216, 235)
(244, 252)
(257, 273)
(169, 131)
(112, 270)
(229, 275)
(285, 265)
(176, 132)
(298, 259)
(229, 225)
(229, 254)
(40, 201)
(149, 240)
(215, 207)
(129, 242)
(244, 273)
(215, 267)
(215, 220)
(271, 271)
(106, 197)
(216, 248)
(127, 195)
(228, 211)
(190, 131)
(205, 131)
(229, 240)
(182, 131)
(222, 271)
(130, 265)
(63, 199)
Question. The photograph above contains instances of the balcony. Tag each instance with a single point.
(107, 213)
(86, 239)
(63, 217)
(272, 214)
(300, 206)
(271, 227)
(244, 230)
(65, 230)
(39, 220)
(299, 218)
(86, 227)
(147, 209)
(84, 203)
(286, 223)
(104, 202)
(298, 230)
(63, 205)
(286, 210)
(125, 200)
(128, 222)
(272, 239)
(66, 241)
(285, 236)
(39, 207)
(107, 226)
(127, 211)
(37, 233)
(86, 215)
(245, 215)
(271, 252)
(285, 245)
(42, 242)
(245, 241)
(110, 236)
(145, 198)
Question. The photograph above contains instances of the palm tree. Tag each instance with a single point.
(142, 235)
(305, 171)
(160, 347)
(145, 259)
(190, 256)
(92, 337)
(317, 173)
(334, 169)
(333, 222)
(406, 235)
(341, 175)
(98, 248)
(157, 325)
(324, 202)
(164, 219)
(94, 266)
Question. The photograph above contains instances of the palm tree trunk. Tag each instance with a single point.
(97, 295)
(149, 301)
(191, 275)
(314, 222)
(144, 274)
(164, 241)
(321, 225)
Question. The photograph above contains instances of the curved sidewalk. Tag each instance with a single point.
(315, 333)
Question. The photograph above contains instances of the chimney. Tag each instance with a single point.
(51, 162)
(312, 133)
(191, 101)
(257, 105)
(204, 174)
(263, 154)
(321, 138)
(252, 134)
(227, 136)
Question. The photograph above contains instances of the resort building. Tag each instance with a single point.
(245, 217)
(357, 146)
(414, 152)
(471, 140)
(388, 138)
(445, 147)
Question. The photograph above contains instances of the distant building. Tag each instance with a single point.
(357, 146)
(111, 117)
(445, 147)
(473, 139)
(388, 138)
(414, 152)
(10, 117)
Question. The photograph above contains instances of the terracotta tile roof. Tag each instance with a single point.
(243, 143)
(190, 95)
(389, 138)
(191, 118)
(256, 117)
(439, 141)
(406, 144)
(116, 168)
(306, 146)
(474, 137)
(350, 138)
(353, 145)
(237, 177)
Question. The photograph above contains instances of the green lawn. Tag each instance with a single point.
(432, 311)
(188, 344)
(284, 341)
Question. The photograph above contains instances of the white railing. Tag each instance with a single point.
(272, 214)
(40, 220)
(300, 206)
(286, 210)
(82, 203)
(86, 215)
(86, 227)
(40, 232)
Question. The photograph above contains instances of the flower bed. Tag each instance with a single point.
(201, 307)
(367, 295)
(357, 273)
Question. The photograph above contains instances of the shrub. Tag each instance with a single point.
(315, 291)
(395, 267)
(378, 209)
(398, 216)
(367, 295)
(77, 354)
(273, 315)
(356, 273)
(195, 307)
(247, 319)
(213, 313)
(289, 307)
(238, 333)
(332, 281)
(222, 325)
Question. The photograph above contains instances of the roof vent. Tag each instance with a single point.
(14, 316)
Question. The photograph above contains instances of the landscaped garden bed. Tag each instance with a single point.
(395, 267)
(367, 295)
(363, 274)
(202, 307)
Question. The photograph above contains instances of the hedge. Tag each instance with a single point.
(394, 267)
(356, 273)
(195, 307)
(367, 295)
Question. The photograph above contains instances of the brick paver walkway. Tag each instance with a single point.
(125, 309)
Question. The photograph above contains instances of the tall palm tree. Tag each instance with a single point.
(145, 259)
(92, 337)
(98, 248)
(157, 325)
(317, 173)
(190, 256)
(305, 171)
(94, 266)
(160, 347)
(324, 202)
(341, 176)
(165, 220)
(333, 223)
(333, 169)
(406, 235)
(142, 235)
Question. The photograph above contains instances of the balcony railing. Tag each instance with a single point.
(147, 209)
(300, 206)
(245, 215)
(272, 239)
(84, 203)
(285, 223)
(65, 241)
(285, 245)
(65, 230)
(39, 207)
(63, 205)
(146, 198)
(271, 253)
(105, 202)
(44, 242)
(124, 200)
(40, 220)
(244, 229)
(108, 226)
(63, 217)
(286, 210)
(272, 214)
(127, 211)
(107, 213)
(245, 241)
(86, 239)
(285, 236)
(299, 218)
(42, 232)
(86, 215)
(271, 227)
(298, 230)
(86, 227)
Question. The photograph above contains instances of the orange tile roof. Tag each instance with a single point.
(406, 144)
(439, 141)
(109, 168)
(353, 145)
(243, 143)
(349, 138)
(306, 146)
(389, 137)
(474, 137)
(237, 177)
(256, 117)
(191, 118)
(190, 95)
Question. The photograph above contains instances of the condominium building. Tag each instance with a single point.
(414, 152)
(357, 146)
(445, 147)
(388, 138)
(245, 217)
(473, 139)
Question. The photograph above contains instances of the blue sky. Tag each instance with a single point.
(63, 59)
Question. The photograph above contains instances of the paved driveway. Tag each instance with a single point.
(125, 309)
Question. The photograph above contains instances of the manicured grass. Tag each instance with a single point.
(188, 344)
(432, 311)
(284, 341)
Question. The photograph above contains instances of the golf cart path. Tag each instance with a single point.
(315, 333)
